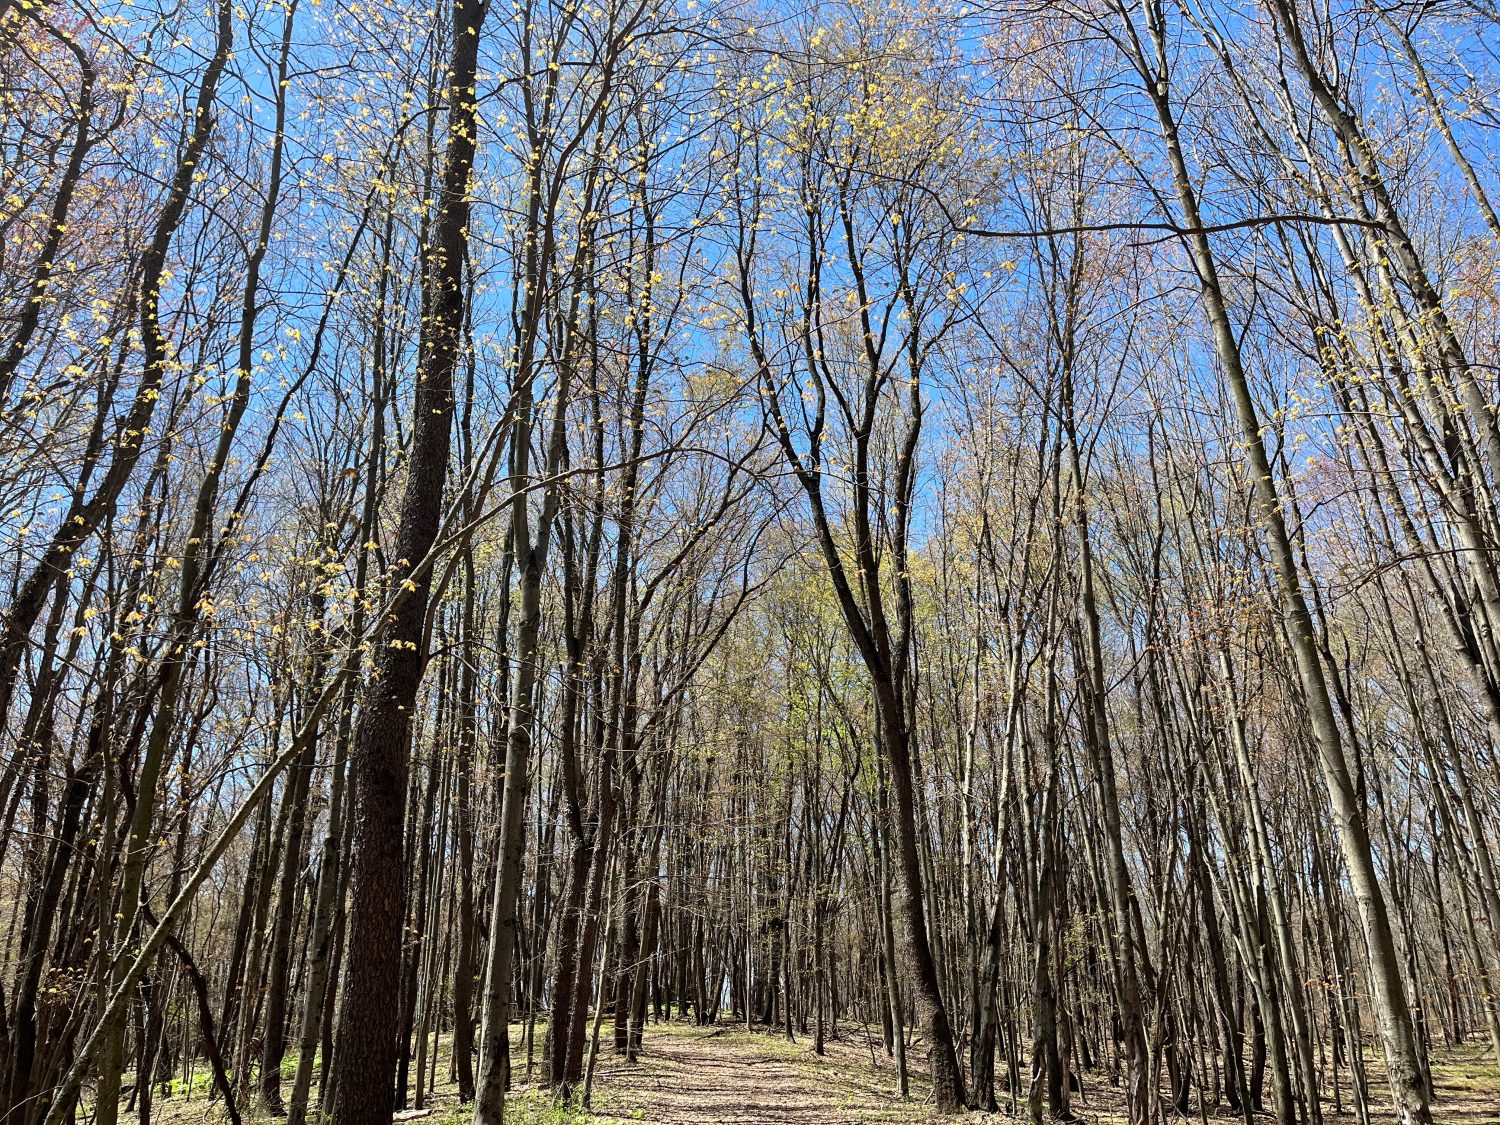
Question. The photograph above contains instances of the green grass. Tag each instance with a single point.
(527, 1107)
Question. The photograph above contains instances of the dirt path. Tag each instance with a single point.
(727, 1077)
(693, 1076)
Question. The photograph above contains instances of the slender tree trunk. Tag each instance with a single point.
(1392, 1010)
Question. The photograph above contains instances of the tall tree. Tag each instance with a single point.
(364, 1061)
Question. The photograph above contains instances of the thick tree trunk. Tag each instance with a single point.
(365, 1061)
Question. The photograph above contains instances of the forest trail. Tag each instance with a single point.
(690, 1075)
(698, 1076)
(727, 1076)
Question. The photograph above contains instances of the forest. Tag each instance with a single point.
(814, 561)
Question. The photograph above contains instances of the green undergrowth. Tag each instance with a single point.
(526, 1107)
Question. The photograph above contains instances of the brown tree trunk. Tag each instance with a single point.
(364, 1063)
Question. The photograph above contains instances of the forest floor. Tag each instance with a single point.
(723, 1076)
(691, 1075)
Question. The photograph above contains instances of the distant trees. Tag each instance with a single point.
(519, 524)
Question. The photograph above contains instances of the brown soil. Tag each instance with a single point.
(731, 1077)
